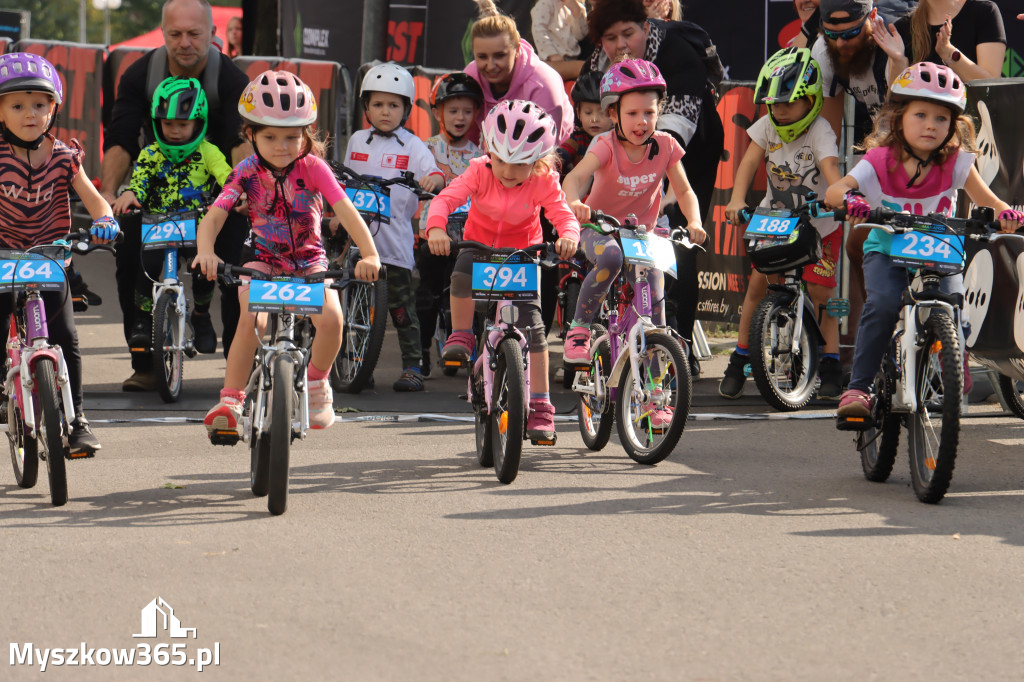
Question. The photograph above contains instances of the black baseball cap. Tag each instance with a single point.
(854, 9)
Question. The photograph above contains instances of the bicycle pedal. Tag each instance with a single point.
(544, 442)
(224, 437)
(84, 454)
(79, 304)
(854, 423)
(139, 349)
(454, 363)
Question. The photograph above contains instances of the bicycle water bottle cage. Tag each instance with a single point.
(837, 307)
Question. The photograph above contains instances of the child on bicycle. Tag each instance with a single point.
(591, 120)
(174, 174)
(283, 180)
(627, 165)
(918, 157)
(32, 159)
(801, 154)
(507, 188)
(455, 101)
(387, 150)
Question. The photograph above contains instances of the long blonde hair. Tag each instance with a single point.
(920, 35)
(492, 22)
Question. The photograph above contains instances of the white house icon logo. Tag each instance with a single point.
(151, 620)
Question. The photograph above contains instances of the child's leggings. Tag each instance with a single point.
(605, 253)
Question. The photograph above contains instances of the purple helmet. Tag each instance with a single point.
(25, 72)
(517, 131)
(628, 76)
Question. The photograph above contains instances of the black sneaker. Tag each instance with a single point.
(81, 296)
(694, 367)
(142, 333)
(82, 442)
(410, 381)
(830, 371)
(425, 363)
(732, 384)
(205, 339)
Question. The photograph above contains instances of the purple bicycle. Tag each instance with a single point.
(647, 389)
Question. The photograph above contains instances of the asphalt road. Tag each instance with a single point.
(757, 551)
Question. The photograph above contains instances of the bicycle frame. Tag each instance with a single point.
(282, 342)
(504, 327)
(171, 282)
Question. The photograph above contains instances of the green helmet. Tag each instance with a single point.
(787, 76)
(179, 99)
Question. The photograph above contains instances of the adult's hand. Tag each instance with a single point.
(888, 39)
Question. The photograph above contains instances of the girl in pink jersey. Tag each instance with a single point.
(507, 188)
(627, 165)
(283, 182)
(918, 158)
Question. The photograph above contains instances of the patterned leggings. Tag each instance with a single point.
(605, 253)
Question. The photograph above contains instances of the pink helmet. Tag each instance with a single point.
(627, 76)
(278, 99)
(517, 131)
(930, 82)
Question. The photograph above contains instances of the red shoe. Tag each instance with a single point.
(540, 425)
(854, 403)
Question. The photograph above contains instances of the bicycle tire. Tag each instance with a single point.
(572, 297)
(1014, 398)
(50, 430)
(365, 308)
(481, 420)
(24, 451)
(878, 444)
(169, 364)
(635, 431)
(595, 436)
(786, 384)
(280, 433)
(259, 453)
(508, 410)
(939, 385)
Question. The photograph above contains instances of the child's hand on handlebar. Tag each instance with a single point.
(207, 264)
(432, 182)
(566, 248)
(438, 242)
(1010, 220)
(732, 211)
(697, 234)
(125, 203)
(368, 268)
(581, 210)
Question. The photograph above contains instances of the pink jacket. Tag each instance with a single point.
(501, 216)
(532, 80)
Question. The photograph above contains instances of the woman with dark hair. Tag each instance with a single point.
(687, 60)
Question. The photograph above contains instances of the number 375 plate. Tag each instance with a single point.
(286, 295)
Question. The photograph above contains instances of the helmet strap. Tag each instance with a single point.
(619, 133)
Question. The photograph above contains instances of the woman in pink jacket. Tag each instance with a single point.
(507, 67)
(507, 188)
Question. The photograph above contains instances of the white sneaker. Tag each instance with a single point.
(321, 404)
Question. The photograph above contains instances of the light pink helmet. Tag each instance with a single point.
(930, 82)
(628, 76)
(278, 99)
(517, 131)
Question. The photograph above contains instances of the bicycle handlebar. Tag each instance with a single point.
(229, 275)
(407, 179)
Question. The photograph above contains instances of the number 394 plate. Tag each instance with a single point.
(503, 278)
(286, 295)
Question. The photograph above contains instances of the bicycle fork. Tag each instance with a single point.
(171, 283)
(905, 398)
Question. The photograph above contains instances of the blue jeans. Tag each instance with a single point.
(884, 284)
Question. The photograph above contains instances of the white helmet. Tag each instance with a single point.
(389, 77)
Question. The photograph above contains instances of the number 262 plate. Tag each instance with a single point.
(286, 295)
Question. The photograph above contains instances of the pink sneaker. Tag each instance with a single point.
(576, 352)
(459, 346)
(854, 403)
(321, 404)
(660, 417)
(540, 425)
(223, 419)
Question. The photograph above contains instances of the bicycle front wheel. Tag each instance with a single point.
(50, 430)
(168, 355)
(481, 422)
(280, 433)
(259, 450)
(933, 432)
(508, 410)
(877, 445)
(784, 378)
(596, 417)
(24, 454)
(651, 417)
(365, 308)
(1013, 394)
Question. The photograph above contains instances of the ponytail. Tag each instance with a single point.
(492, 22)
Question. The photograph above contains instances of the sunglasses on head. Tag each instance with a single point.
(848, 34)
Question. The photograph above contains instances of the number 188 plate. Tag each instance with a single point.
(286, 295)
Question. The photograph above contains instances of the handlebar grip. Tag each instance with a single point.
(744, 215)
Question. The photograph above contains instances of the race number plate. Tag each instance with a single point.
(504, 278)
(771, 224)
(373, 206)
(22, 270)
(923, 248)
(177, 230)
(648, 249)
(286, 295)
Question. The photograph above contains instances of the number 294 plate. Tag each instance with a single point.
(286, 295)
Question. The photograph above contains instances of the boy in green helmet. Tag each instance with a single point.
(801, 156)
(181, 171)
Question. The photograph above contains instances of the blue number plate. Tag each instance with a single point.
(940, 252)
(771, 225)
(21, 270)
(462, 210)
(375, 206)
(499, 278)
(648, 249)
(286, 295)
(160, 232)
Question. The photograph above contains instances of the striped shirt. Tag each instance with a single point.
(35, 208)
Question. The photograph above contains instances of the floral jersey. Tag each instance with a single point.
(453, 161)
(162, 186)
(35, 208)
(284, 213)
